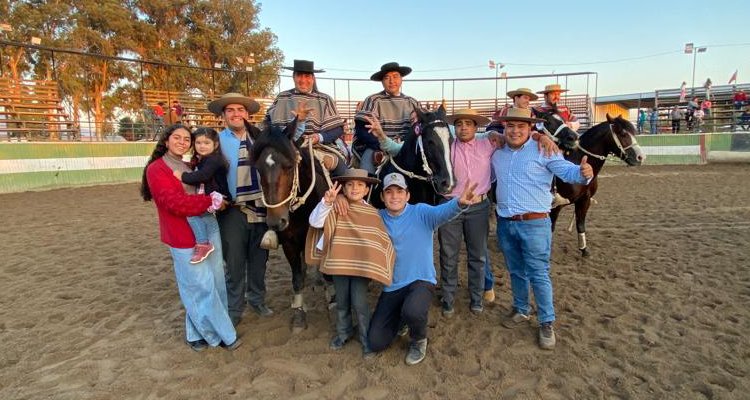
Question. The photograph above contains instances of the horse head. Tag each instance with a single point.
(433, 145)
(623, 135)
(554, 127)
(276, 157)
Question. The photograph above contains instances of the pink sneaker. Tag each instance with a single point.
(200, 252)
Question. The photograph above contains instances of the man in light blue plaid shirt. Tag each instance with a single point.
(524, 230)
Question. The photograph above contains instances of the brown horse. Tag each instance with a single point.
(293, 182)
(615, 136)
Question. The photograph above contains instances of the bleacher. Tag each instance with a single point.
(195, 108)
(723, 118)
(33, 110)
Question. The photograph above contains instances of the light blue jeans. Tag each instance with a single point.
(204, 294)
(526, 246)
(201, 224)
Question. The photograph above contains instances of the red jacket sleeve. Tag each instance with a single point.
(169, 194)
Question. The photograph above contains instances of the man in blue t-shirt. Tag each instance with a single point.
(407, 300)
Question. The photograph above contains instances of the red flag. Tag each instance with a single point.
(492, 64)
(733, 78)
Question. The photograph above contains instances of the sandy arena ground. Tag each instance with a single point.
(660, 310)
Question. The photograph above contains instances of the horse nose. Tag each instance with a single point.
(283, 224)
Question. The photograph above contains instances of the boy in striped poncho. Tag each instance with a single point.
(353, 249)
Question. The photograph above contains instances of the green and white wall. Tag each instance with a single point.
(40, 166)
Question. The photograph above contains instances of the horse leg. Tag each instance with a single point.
(582, 207)
(299, 315)
(553, 216)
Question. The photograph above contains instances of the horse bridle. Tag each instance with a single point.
(623, 150)
(419, 150)
(294, 201)
(559, 129)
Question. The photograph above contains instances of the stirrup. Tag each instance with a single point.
(558, 201)
(270, 240)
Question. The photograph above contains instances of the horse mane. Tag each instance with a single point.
(277, 138)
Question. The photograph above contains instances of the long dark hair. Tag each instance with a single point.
(159, 151)
(213, 136)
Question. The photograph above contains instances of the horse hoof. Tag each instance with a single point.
(270, 240)
(299, 320)
(585, 252)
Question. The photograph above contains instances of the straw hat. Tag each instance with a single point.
(388, 67)
(526, 91)
(305, 67)
(553, 88)
(467, 113)
(356, 174)
(519, 114)
(217, 106)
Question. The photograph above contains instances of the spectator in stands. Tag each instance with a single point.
(693, 105)
(740, 99)
(201, 287)
(159, 112)
(698, 119)
(641, 120)
(391, 107)
(745, 119)
(708, 86)
(323, 125)
(551, 98)
(408, 298)
(653, 119)
(522, 98)
(676, 115)
(243, 224)
(706, 107)
(524, 231)
(683, 92)
(177, 108)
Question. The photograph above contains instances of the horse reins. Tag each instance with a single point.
(419, 150)
(297, 202)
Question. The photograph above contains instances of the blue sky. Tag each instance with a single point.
(455, 39)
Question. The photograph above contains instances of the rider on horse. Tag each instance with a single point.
(392, 108)
(323, 124)
(551, 97)
(521, 99)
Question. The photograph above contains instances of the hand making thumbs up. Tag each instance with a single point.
(586, 169)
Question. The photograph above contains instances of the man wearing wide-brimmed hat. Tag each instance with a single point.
(390, 107)
(244, 223)
(521, 97)
(551, 98)
(323, 122)
(524, 229)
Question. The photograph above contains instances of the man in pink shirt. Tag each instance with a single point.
(471, 164)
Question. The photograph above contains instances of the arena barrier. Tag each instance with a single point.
(45, 165)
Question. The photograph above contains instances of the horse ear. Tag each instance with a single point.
(420, 113)
(609, 118)
(441, 112)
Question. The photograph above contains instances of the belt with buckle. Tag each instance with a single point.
(527, 216)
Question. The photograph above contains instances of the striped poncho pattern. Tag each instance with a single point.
(356, 244)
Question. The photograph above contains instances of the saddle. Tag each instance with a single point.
(329, 155)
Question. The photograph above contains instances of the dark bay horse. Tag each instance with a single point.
(293, 183)
(554, 127)
(615, 136)
(424, 159)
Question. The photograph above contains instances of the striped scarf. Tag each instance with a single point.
(356, 244)
(248, 179)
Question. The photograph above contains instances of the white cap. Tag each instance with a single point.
(394, 178)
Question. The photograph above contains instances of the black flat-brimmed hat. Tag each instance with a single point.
(356, 174)
(304, 66)
(217, 106)
(388, 67)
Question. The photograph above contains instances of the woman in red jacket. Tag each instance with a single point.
(202, 287)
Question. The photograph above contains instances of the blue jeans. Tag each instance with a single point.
(366, 163)
(351, 292)
(489, 277)
(201, 225)
(204, 294)
(526, 246)
(410, 305)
